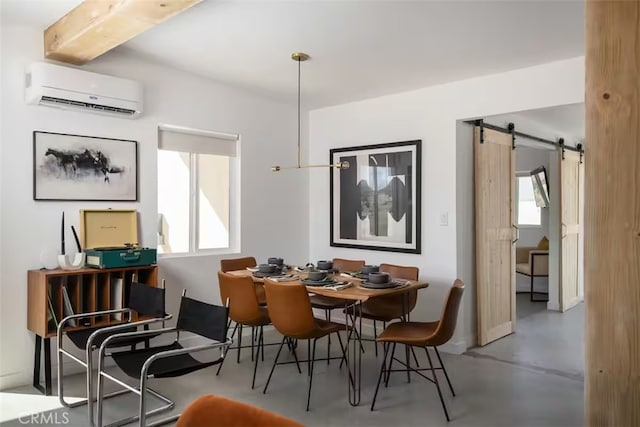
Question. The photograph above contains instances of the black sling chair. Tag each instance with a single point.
(173, 360)
(146, 300)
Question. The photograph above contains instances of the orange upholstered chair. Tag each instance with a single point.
(210, 410)
(243, 310)
(232, 264)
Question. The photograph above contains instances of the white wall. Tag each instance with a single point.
(267, 131)
(430, 114)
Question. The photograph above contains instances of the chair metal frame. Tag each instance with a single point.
(532, 277)
(311, 354)
(88, 362)
(144, 376)
(89, 348)
(384, 370)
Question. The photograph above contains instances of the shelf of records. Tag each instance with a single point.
(55, 294)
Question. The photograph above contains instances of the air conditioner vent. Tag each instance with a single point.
(87, 105)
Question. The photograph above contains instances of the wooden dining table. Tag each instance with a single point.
(354, 296)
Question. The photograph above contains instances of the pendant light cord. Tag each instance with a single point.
(299, 113)
(301, 56)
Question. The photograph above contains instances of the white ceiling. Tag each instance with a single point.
(359, 49)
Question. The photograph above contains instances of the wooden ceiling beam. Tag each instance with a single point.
(97, 26)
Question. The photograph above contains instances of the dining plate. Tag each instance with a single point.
(357, 275)
(387, 285)
(262, 275)
(322, 282)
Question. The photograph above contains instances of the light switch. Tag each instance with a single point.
(444, 219)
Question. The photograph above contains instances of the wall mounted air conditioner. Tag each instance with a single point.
(73, 89)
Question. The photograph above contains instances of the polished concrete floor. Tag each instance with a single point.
(546, 341)
(498, 385)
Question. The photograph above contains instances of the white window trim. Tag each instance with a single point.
(517, 204)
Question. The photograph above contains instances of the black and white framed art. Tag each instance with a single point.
(375, 203)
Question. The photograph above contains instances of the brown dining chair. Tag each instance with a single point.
(422, 334)
(292, 315)
(348, 265)
(327, 304)
(244, 310)
(387, 308)
(233, 264)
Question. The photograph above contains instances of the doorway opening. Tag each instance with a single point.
(534, 238)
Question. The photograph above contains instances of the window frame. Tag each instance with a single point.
(194, 199)
(520, 174)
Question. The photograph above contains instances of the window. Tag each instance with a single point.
(527, 212)
(198, 176)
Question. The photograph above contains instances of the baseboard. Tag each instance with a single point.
(454, 347)
(554, 306)
(15, 379)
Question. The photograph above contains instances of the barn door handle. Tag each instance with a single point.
(517, 234)
(563, 230)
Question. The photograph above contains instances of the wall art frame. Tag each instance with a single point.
(68, 167)
(375, 204)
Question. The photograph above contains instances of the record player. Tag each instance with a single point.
(109, 238)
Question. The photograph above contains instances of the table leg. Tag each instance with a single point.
(354, 361)
(46, 390)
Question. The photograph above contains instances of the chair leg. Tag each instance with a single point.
(255, 365)
(253, 340)
(275, 362)
(100, 396)
(444, 370)
(327, 315)
(262, 334)
(292, 349)
(415, 357)
(435, 380)
(393, 352)
(142, 414)
(222, 362)
(344, 353)
(233, 333)
(308, 356)
(531, 294)
(375, 335)
(408, 359)
(313, 359)
(239, 343)
(382, 370)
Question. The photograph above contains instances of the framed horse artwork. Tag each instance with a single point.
(77, 167)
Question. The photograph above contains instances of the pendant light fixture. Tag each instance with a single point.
(300, 57)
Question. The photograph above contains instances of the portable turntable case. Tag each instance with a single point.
(110, 239)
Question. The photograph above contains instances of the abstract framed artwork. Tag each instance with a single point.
(77, 167)
(375, 203)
